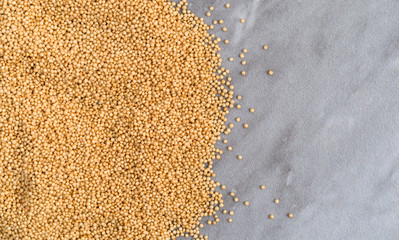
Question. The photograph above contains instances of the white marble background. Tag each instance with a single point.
(325, 136)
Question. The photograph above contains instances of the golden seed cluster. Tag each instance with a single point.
(109, 113)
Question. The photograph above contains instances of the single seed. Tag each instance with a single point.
(221, 205)
(214, 223)
(232, 194)
(224, 211)
(252, 110)
(231, 213)
(211, 8)
(271, 216)
(201, 225)
(225, 141)
(235, 199)
(290, 215)
(246, 203)
(242, 20)
(224, 29)
(231, 59)
(221, 21)
(245, 125)
(265, 47)
(263, 187)
(243, 73)
(218, 157)
(227, 5)
(228, 78)
(231, 87)
(231, 125)
(242, 55)
(211, 27)
(217, 184)
(238, 119)
(229, 220)
(217, 220)
(226, 41)
(208, 14)
(209, 222)
(239, 157)
(276, 201)
(239, 97)
(229, 148)
(238, 106)
(245, 50)
(243, 62)
(223, 187)
(215, 22)
(270, 72)
(216, 209)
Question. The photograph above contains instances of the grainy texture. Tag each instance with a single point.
(109, 113)
(325, 134)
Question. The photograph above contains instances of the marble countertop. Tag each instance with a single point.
(324, 138)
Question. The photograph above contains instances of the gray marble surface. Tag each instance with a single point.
(325, 135)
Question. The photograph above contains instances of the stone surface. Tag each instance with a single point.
(324, 138)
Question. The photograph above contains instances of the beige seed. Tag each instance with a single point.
(270, 72)
(235, 199)
(243, 73)
(265, 47)
(211, 8)
(224, 29)
(238, 106)
(245, 125)
(226, 41)
(290, 215)
(231, 59)
(252, 110)
(208, 14)
(276, 201)
(242, 20)
(243, 62)
(229, 220)
(229, 148)
(225, 141)
(239, 97)
(263, 187)
(239, 157)
(242, 55)
(231, 125)
(271, 216)
(221, 21)
(231, 213)
(224, 211)
(232, 194)
(223, 187)
(245, 50)
(227, 5)
(246, 203)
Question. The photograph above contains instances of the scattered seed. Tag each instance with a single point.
(290, 215)
(239, 97)
(245, 125)
(224, 211)
(225, 141)
(223, 187)
(227, 5)
(226, 41)
(271, 216)
(242, 55)
(239, 157)
(242, 20)
(246, 203)
(229, 148)
(243, 73)
(221, 21)
(208, 14)
(232, 194)
(245, 50)
(224, 29)
(235, 199)
(263, 187)
(229, 220)
(231, 213)
(243, 62)
(270, 72)
(238, 119)
(276, 201)
(238, 106)
(211, 8)
(252, 110)
(231, 59)
(265, 47)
